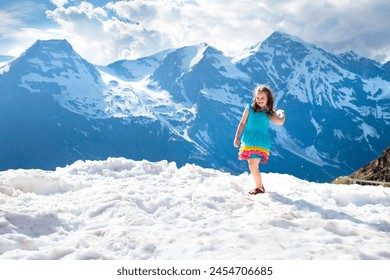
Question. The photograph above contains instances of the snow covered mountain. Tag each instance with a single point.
(184, 105)
(338, 107)
(55, 108)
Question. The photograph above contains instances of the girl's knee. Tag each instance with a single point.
(253, 167)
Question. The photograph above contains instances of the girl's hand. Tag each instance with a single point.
(236, 142)
(279, 117)
(280, 113)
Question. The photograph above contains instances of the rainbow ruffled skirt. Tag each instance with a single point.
(247, 152)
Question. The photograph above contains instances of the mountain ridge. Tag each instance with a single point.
(195, 95)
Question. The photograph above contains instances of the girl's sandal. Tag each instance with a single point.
(257, 190)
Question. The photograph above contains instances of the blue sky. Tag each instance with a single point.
(105, 31)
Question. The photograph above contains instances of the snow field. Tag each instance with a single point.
(125, 209)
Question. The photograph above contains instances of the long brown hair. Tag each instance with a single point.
(270, 102)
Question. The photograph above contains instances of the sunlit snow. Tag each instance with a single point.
(125, 209)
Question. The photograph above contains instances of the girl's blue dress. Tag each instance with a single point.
(255, 141)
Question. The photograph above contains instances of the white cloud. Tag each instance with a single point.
(362, 26)
(7, 20)
(59, 3)
(130, 29)
(101, 38)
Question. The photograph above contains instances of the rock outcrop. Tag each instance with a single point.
(376, 170)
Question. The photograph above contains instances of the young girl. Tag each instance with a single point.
(255, 141)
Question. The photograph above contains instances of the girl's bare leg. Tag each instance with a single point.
(254, 168)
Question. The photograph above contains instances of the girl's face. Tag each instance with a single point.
(261, 99)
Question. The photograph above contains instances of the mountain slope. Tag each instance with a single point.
(334, 117)
(55, 109)
(53, 67)
(185, 104)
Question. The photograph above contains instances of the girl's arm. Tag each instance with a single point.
(241, 127)
(278, 118)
